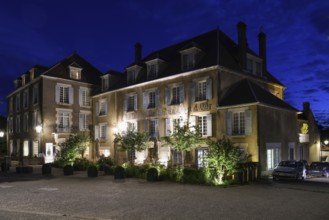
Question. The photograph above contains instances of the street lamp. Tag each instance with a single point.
(2, 134)
(326, 142)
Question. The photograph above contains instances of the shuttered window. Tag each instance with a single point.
(239, 122)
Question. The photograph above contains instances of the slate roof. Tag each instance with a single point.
(246, 91)
(218, 48)
(89, 73)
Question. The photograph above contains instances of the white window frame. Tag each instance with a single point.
(84, 97)
(130, 102)
(105, 83)
(84, 120)
(206, 120)
(102, 107)
(75, 73)
(240, 127)
(61, 91)
(103, 131)
(152, 70)
(64, 120)
(175, 94)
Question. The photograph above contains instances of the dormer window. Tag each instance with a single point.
(152, 70)
(254, 65)
(189, 58)
(105, 83)
(75, 73)
(132, 74)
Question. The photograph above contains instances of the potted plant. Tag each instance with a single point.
(304, 136)
(152, 174)
(46, 169)
(68, 170)
(119, 172)
(92, 171)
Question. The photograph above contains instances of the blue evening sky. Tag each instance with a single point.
(104, 33)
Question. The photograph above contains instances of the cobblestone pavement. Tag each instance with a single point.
(33, 196)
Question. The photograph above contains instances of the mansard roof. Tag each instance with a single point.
(247, 92)
(217, 49)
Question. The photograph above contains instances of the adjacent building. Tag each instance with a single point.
(56, 100)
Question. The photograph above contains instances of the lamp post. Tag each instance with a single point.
(38, 129)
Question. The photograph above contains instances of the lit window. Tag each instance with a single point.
(273, 152)
(202, 123)
(75, 73)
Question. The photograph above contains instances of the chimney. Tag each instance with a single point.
(262, 49)
(306, 108)
(138, 53)
(242, 44)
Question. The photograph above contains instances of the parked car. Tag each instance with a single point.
(289, 169)
(319, 169)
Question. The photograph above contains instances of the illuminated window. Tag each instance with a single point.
(75, 73)
(273, 153)
(202, 123)
(202, 154)
(26, 148)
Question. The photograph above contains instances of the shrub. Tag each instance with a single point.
(92, 171)
(81, 164)
(103, 161)
(119, 172)
(193, 176)
(152, 174)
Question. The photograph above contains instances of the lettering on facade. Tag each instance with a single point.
(205, 106)
(154, 113)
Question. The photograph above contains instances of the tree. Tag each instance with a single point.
(131, 141)
(73, 147)
(223, 157)
(184, 138)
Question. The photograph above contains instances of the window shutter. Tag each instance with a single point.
(228, 123)
(80, 96)
(106, 107)
(57, 94)
(248, 122)
(181, 93)
(167, 96)
(97, 108)
(157, 128)
(96, 132)
(209, 88)
(135, 102)
(192, 120)
(146, 126)
(192, 91)
(71, 95)
(157, 98)
(80, 121)
(125, 103)
(167, 127)
(145, 100)
(209, 125)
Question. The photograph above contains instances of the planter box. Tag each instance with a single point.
(304, 138)
(24, 169)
